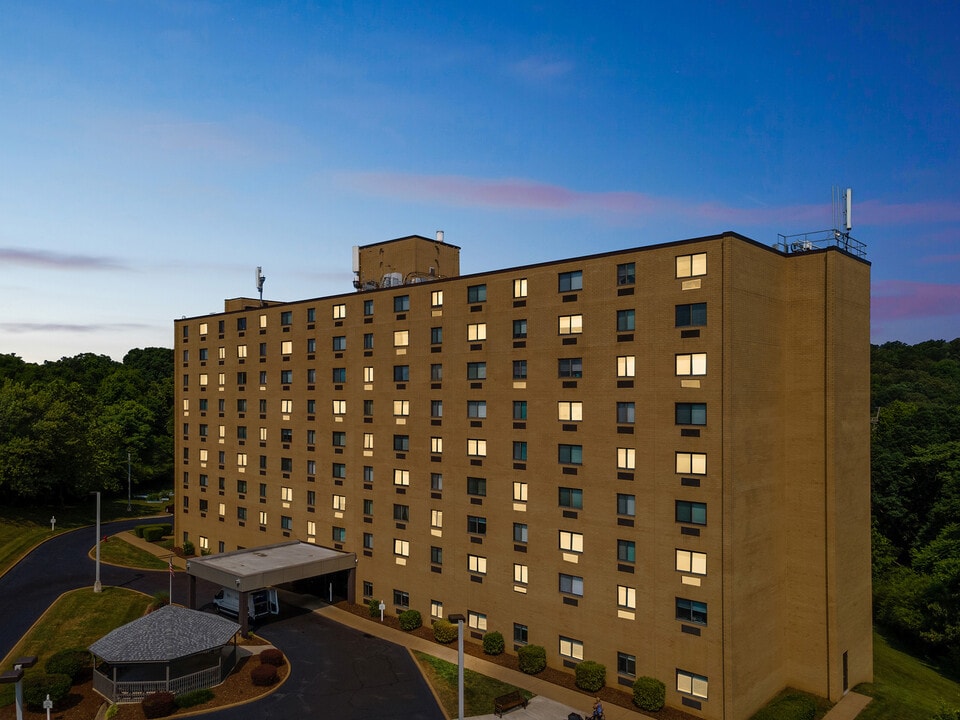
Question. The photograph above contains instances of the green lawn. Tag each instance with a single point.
(479, 691)
(119, 552)
(76, 619)
(905, 688)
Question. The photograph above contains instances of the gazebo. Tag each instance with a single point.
(171, 649)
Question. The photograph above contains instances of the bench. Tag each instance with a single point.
(508, 702)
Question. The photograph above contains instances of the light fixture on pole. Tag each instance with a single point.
(458, 619)
(97, 587)
(16, 676)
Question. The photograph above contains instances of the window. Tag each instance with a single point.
(476, 332)
(570, 367)
(477, 564)
(401, 373)
(241, 323)
(520, 633)
(286, 347)
(368, 341)
(519, 369)
(436, 519)
(567, 281)
(626, 551)
(476, 293)
(626, 366)
(690, 561)
(401, 477)
(311, 346)
(401, 548)
(242, 514)
(436, 372)
(222, 509)
(339, 375)
(694, 513)
(691, 463)
(626, 505)
(339, 534)
(570, 411)
(436, 555)
(436, 609)
(571, 584)
(368, 407)
(312, 498)
(263, 377)
(401, 443)
(286, 407)
(520, 288)
(476, 621)
(691, 684)
(626, 597)
(570, 454)
(691, 315)
(570, 498)
(520, 328)
(520, 491)
(401, 338)
(626, 664)
(339, 342)
(436, 445)
(263, 490)
(626, 274)
(367, 506)
(476, 486)
(476, 371)
(311, 467)
(286, 377)
(286, 522)
(436, 481)
(476, 447)
(368, 473)
(520, 450)
(476, 408)
(691, 265)
(339, 407)
(339, 439)
(436, 335)
(401, 303)
(519, 532)
(436, 408)
(241, 378)
(401, 408)
(521, 573)
(571, 541)
(436, 299)
(367, 374)
(626, 458)
(625, 412)
(263, 517)
(241, 459)
(368, 541)
(286, 494)
(476, 525)
(286, 317)
(339, 312)
(311, 315)
(691, 413)
(401, 513)
(241, 487)
(519, 409)
(368, 307)
(691, 611)
(626, 321)
(570, 324)
(692, 364)
(241, 351)
(339, 470)
(401, 598)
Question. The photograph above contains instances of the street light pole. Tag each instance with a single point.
(97, 587)
(458, 619)
(129, 505)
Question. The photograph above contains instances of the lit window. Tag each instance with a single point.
(520, 288)
(571, 541)
(368, 374)
(286, 347)
(311, 528)
(691, 684)
(241, 459)
(436, 298)
(520, 492)
(401, 547)
(436, 445)
(570, 324)
(626, 366)
(571, 584)
(626, 458)
(339, 312)
(476, 293)
(521, 573)
(436, 609)
(368, 441)
(692, 364)
(263, 517)
(401, 408)
(476, 621)
(626, 597)
(286, 406)
(436, 519)
(477, 564)
(241, 351)
(401, 338)
(339, 407)
(690, 561)
(571, 411)
(691, 265)
(476, 447)
(203, 328)
(339, 502)
(691, 611)
(568, 281)
(691, 413)
(221, 353)
(286, 494)
(571, 648)
(401, 477)
(222, 509)
(203, 379)
(691, 463)
(476, 332)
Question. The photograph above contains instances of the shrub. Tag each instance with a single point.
(138, 530)
(194, 697)
(111, 712)
(493, 643)
(263, 674)
(188, 548)
(167, 528)
(159, 704)
(649, 693)
(532, 659)
(790, 707)
(272, 656)
(153, 533)
(590, 675)
(444, 631)
(37, 686)
(68, 662)
(374, 607)
(410, 620)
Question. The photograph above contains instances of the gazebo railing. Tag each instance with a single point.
(136, 690)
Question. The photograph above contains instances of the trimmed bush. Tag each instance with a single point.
(410, 620)
(532, 659)
(68, 662)
(649, 693)
(444, 631)
(263, 674)
(374, 607)
(194, 697)
(159, 704)
(188, 548)
(493, 643)
(790, 707)
(138, 530)
(167, 528)
(272, 656)
(37, 686)
(590, 675)
(153, 533)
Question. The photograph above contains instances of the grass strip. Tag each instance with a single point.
(479, 691)
(119, 552)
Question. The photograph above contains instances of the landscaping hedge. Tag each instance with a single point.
(70, 662)
(444, 631)
(590, 675)
(374, 607)
(649, 693)
(194, 698)
(272, 656)
(532, 659)
(790, 707)
(493, 643)
(37, 686)
(410, 620)
(159, 704)
(263, 674)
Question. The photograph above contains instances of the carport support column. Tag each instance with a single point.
(352, 585)
(243, 613)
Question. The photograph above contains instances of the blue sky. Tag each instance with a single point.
(152, 154)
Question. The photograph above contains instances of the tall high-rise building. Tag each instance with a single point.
(654, 458)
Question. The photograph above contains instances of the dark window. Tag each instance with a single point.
(401, 373)
(436, 555)
(241, 323)
(476, 486)
(339, 342)
(286, 317)
(626, 274)
(691, 315)
(368, 307)
(476, 525)
(476, 408)
(568, 281)
(436, 372)
(519, 532)
(625, 412)
(400, 597)
(520, 633)
(626, 505)
(570, 367)
(571, 498)
(691, 413)
(691, 611)
(626, 664)
(401, 443)
(520, 328)
(339, 438)
(311, 314)
(476, 371)
(571, 584)
(339, 470)
(694, 513)
(286, 464)
(436, 408)
(368, 407)
(519, 409)
(436, 481)
(368, 341)
(436, 335)
(476, 293)
(570, 454)
(286, 522)
(401, 513)
(519, 450)
(339, 375)
(626, 551)
(519, 369)
(286, 377)
(626, 321)
(401, 303)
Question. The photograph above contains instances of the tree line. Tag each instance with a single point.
(66, 426)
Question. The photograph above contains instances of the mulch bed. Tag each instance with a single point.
(610, 695)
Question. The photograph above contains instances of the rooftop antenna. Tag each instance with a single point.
(260, 280)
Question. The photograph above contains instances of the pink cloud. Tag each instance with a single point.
(899, 299)
(56, 261)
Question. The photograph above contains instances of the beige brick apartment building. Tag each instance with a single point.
(655, 458)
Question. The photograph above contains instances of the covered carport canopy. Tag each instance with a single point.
(255, 568)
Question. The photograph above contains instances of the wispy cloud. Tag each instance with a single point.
(57, 261)
(519, 193)
(539, 69)
(79, 329)
(900, 299)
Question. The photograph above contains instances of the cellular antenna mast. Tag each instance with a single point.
(260, 279)
(837, 236)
